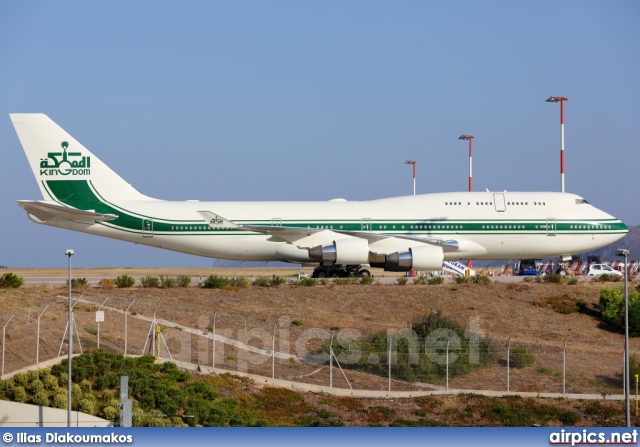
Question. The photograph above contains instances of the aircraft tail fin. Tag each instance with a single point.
(65, 170)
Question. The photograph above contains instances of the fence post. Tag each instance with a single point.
(38, 336)
(273, 353)
(331, 362)
(508, 357)
(448, 364)
(389, 360)
(213, 348)
(105, 300)
(4, 330)
(126, 329)
(564, 368)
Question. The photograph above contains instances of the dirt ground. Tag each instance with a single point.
(303, 318)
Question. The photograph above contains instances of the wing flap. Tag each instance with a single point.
(308, 237)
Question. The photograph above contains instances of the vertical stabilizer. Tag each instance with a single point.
(56, 159)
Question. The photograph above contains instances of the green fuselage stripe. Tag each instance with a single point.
(79, 194)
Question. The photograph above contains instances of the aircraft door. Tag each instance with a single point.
(551, 226)
(365, 225)
(147, 228)
(276, 222)
(498, 201)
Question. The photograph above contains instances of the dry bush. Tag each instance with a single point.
(107, 283)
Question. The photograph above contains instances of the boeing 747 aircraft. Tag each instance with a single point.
(418, 232)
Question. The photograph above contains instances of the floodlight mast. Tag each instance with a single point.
(413, 162)
(69, 253)
(561, 100)
(470, 138)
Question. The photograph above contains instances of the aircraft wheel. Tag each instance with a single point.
(321, 274)
(364, 272)
(334, 273)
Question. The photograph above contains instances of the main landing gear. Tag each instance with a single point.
(340, 271)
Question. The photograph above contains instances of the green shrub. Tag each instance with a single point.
(78, 283)
(215, 282)
(420, 280)
(612, 308)
(18, 394)
(268, 281)
(520, 357)
(607, 277)
(345, 281)
(85, 386)
(110, 412)
(21, 379)
(9, 280)
(87, 406)
(125, 281)
(60, 399)
(435, 280)
(36, 386)
(419, 355)
(183, 280)
(50, 382)
(308, 282)
(262, 281)
(461, 279)
(573, 281)
(555, 278)
(239, 281)
(402, 280)
(91, 330)
(278, 280)
(167, 282)
(149, 281)
(41, 398)
(367, 279)
(480, 279)
(297, 323)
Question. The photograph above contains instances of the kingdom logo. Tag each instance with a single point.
(59, 163)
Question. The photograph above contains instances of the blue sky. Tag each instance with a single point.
(289, 100)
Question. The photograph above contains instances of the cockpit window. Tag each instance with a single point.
(580, 201)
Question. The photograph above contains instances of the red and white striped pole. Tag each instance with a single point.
(470, 138)
(413, 162)
(561, 100)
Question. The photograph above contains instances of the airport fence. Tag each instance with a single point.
(393, 360)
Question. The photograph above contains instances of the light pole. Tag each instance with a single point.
(470, 138)
(413, 162)
(69, 253)
(627, 389)
(561, 100)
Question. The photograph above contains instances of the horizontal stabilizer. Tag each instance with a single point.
(47, 212)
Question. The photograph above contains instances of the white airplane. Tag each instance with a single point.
(416, 232)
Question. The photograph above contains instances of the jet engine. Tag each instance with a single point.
(352, 251)
(424, 257)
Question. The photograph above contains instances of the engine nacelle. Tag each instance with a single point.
(352, 251)
(424, 257)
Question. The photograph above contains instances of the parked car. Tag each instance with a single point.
(527, 267)
(601, 269)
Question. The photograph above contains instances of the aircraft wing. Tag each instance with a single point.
(49, 211)
(308, 237)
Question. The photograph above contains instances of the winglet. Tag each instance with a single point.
(215, 221)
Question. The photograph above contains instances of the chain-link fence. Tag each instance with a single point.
(285, 349)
